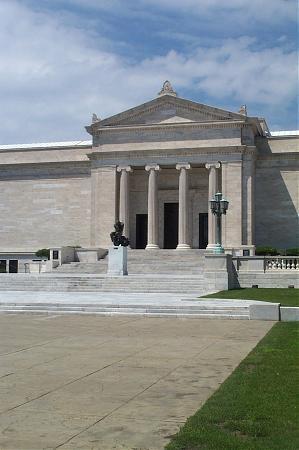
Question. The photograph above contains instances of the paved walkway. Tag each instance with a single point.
(110, 383)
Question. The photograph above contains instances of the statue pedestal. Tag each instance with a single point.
(117, 261)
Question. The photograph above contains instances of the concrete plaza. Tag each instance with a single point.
(103, 383)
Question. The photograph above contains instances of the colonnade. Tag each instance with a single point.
(153, 216)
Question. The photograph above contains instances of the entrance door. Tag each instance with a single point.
(171, 225)
(203, 230)
(141, 230)
(13, 266)
(2, 265)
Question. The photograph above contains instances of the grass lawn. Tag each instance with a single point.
(287, 297)
(256, 408)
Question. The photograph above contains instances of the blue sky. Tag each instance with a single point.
(62, 60)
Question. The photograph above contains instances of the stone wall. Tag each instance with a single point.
(103, 209)
(43, 208)
(232, 190)
(276, 201)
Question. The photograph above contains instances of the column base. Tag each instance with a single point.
(152, 247)
(183, 247)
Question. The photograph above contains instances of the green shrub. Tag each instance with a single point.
(43, 253)
(292, 251)
(266, 251)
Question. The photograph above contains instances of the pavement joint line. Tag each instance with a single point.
(73, 381)
(34, 365)
(129, 400)
(7, 375)
(29, 348)
(53, 359)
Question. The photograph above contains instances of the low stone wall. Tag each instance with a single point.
(289, 314)
(267, 280)
(265, 271)
(223, 272)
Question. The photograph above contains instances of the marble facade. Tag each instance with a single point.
(168, 151)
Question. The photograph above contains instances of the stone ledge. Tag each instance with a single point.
(264, 311)
(289, 314)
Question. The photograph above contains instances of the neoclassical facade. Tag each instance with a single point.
(155, 167)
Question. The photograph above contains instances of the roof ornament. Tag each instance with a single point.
(243, 110)
(95, 118)
(167, 89)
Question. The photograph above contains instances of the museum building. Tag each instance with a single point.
(154, 167)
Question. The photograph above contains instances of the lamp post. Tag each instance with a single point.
(218, 207)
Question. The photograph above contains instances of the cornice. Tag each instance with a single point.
(166, 153)
(46, 165)
(172, 126)
(280, 156)
(45, 149)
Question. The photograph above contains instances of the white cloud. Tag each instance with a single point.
(53, 76)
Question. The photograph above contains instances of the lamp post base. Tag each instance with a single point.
(218, 249)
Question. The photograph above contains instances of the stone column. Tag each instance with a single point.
(213, 187)
(124, 196)
(152, 208)
(183, 206)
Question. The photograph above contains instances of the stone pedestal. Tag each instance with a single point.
(90, 255)
(117, 261)
(219, 272)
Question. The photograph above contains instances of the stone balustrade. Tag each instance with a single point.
(282, 263)
(265, 263)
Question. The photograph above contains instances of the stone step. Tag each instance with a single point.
(182, 283)
(143, 314)
(198, 306)
(147, 262)
(194, 291)
(144, 310)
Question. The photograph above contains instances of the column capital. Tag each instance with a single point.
(216, 165)
(180, 166)
(125, 168)
(152, 167)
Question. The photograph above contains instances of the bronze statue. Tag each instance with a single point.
(117, 236)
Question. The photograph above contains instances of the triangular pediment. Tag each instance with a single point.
(169, 109)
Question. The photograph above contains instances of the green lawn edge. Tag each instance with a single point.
(256, 408)
(284, 296)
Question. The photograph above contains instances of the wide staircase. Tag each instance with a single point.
(161, 271)
(160, 283)
(171, 262)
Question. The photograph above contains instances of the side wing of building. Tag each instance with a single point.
(45, 196)
(277, 191)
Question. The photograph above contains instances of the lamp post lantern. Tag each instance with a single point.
(218, 207)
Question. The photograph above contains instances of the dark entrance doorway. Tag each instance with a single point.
(2, 265)
(203, 230)
(141, 230)
(13, 266)
(171, 222)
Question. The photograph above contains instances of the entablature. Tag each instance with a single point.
(171, 157)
